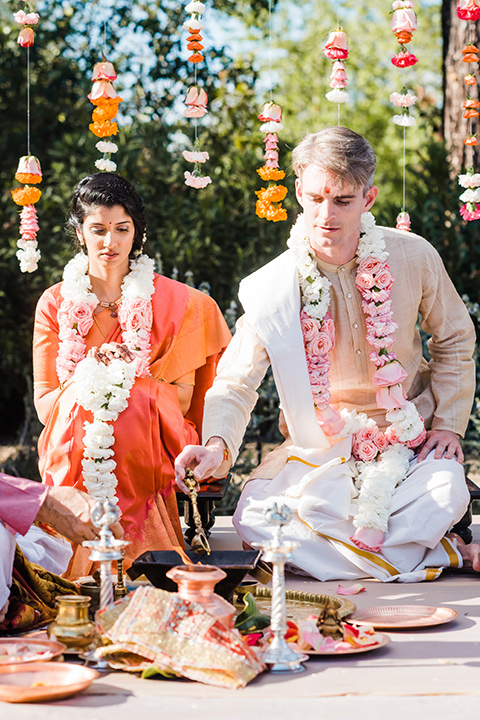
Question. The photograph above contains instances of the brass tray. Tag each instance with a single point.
(301, 604)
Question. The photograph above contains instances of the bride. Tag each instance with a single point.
(122, 360)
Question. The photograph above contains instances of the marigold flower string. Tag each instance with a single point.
(404, 24)
(269, 202)
(104, 96)
(196, 100)
(28, 172)
(469, 10)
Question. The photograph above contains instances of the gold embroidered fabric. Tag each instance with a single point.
(161, 629)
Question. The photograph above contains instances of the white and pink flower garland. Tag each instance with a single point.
(196, 100)
(103, 389)
(382, 457)
(404, 24)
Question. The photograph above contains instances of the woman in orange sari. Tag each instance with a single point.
(122, 360)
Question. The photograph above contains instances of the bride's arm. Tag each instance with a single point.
(44, 399)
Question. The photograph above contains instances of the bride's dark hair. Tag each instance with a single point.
(106, 190)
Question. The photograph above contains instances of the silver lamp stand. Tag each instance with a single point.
(280, 656)
(107, 548)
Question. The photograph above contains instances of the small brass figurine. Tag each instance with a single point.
(199, 543)
(329, 622)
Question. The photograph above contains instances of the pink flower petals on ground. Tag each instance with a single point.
(350, 589)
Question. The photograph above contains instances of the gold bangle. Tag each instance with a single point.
(225, 454)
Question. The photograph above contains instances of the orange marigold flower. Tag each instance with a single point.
(194, 45)
(28, 178)
(471, 103)
(469, 80)
(100, 114)
(470, 49)
(269, 173)
(471, 114)
(403, 36)
(104, 129)
(196, 57)
(471, 140)
(107, 102)
(470, 58)
(194, 35)
(26, 195)
(274, 193)
(276, 213)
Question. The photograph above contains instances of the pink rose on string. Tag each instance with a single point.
(381, 441)
(270, 113)
(364, 281)
(404, 18)
(81, 315)
(195, 157)
(139, 305)
(366, 451)
(370, 265)
(376, 295)
(338, 75)
(102, 89)
(104, 71)
(379, 342)
(310, 326)
(336, 47)
(403, 221)
(403, 100)
(384, 279)
(26, 37)
(320, 345)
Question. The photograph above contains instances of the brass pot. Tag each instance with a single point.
(72, 626)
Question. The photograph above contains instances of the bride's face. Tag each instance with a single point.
(108, 234)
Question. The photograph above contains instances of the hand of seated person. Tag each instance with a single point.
(204, 461)
(446, 444)
(109, 351)
(68, 511)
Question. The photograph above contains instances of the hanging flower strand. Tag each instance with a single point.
(404, 24)
(28, 172)
(469, 10)
(104, 96)
(336, 49)
(269, 203)
(196, 99)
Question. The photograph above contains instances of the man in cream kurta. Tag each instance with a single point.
(334, 170)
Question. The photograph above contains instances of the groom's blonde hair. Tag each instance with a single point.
(339, 151)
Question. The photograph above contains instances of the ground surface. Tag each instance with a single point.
(429, 673)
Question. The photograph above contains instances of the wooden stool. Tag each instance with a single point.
(207, 495)
(462, 528)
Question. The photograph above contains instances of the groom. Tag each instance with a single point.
(336, 317)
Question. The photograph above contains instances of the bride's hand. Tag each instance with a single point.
(109, 351)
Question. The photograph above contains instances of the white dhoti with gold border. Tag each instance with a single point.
(323, 498)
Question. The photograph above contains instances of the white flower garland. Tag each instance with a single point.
(103, 389)
(376, 479)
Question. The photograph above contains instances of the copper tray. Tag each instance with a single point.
(382, 640)
(400, 617)
(27, 650)
(301, 604)
(38, 682)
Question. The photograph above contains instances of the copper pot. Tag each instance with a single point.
(196, 583)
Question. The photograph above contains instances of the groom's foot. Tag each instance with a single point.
(470, 553)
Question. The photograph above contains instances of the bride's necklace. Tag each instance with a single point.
(112, 306)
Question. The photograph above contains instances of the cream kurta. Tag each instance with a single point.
(442, 389)
(434, 495)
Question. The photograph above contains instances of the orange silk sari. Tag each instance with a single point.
(188, 336)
